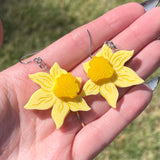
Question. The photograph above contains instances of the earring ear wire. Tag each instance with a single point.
(90, 39)
(111, 45)
(38, 60)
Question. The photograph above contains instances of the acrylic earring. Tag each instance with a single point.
(59, 91)
(106, 71)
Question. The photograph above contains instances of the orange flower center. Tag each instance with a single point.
(66, 86)
(99, 69)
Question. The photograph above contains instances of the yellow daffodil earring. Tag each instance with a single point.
(106, 71)
(59, 91)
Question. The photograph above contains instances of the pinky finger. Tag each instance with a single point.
(99, 133)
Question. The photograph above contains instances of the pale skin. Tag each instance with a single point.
(27, 134)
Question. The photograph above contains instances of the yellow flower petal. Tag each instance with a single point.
(56, 71)
(126, 77)
(43, 79)
(40, 100)
(86, 66)
(59, 113)
(119, 58)
(78, 104)
(105, 52)
(90, 88)
(79, 79)
(110, 93)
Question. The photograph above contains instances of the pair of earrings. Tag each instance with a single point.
(60, 90)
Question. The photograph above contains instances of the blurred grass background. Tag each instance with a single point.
(31, 25)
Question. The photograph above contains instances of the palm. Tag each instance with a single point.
(32, 134)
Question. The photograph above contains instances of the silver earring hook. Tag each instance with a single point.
(111, 45)
(38, 60)
(90, 39)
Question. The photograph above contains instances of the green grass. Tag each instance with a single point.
(31, 25)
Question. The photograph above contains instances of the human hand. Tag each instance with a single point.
(28, 134)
